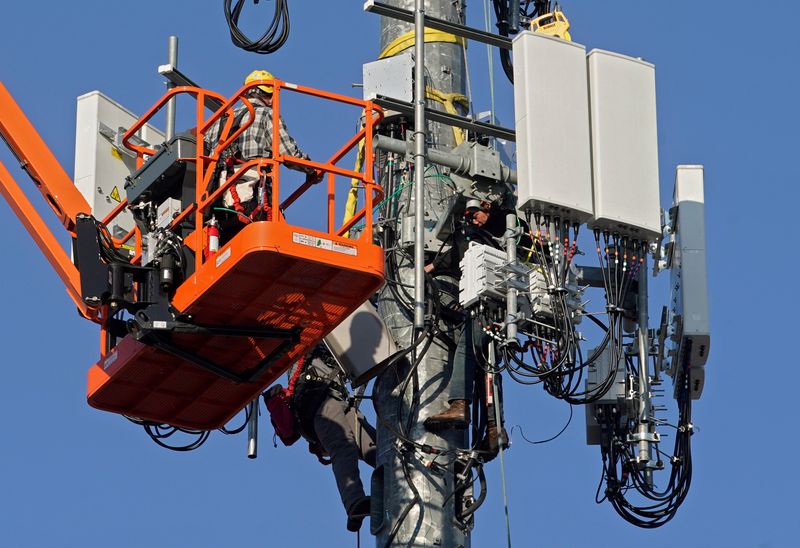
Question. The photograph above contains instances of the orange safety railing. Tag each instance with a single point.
(207, 162)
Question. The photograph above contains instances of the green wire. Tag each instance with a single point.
(233, 211)
(401, 187)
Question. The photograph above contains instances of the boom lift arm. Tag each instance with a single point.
(61, 194)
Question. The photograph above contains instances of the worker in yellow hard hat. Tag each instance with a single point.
(258, 75)
(250, 197)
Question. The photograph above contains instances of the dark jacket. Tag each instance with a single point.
(495, 227)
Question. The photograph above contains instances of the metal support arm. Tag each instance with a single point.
(460, 164)
(439, 24)
(492, 130)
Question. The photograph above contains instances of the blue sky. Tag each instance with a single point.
(728, 89)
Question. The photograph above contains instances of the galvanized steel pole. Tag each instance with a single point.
(420, 137)
(252, 430)
(417, 507)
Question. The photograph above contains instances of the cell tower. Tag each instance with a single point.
(587, 157)
(478, 272)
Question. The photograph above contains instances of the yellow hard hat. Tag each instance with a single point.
(260, 75)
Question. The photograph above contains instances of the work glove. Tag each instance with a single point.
(315, 177)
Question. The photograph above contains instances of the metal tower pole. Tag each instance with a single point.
(420, 136)
(418, 508)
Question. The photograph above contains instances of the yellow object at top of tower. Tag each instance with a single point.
(553, 24)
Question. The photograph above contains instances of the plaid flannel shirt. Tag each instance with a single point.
(256, 140)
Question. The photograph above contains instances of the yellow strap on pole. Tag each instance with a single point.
(405, 41)
(352, 195)
(449, 101)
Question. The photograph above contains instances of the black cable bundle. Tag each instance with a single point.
(159, 433)
(553, 346)
(272, 39)
(621, 475)
(502, 16)
(108, 251)
(527, 8)
(534, 8)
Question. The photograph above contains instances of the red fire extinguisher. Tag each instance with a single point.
(212, 238)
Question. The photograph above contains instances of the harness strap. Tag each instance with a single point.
(237, 203)
(293, 381)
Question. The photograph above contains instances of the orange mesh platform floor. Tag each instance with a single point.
(271, 275)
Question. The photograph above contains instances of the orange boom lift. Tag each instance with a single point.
(191, 332)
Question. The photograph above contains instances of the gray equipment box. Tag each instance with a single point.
(622, 94)
(360, 343)
(617, 398)
(391, 77)
(689, 330)
(551, 106)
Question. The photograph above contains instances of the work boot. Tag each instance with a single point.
(455, 417)
(491, 442)
(357, 512)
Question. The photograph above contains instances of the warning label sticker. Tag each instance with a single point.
(110, 359)
(343, 248)
(324, 243)
(222, 257)
(115, 195)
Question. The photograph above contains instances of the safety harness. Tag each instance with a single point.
(292, 409)
(262, 194)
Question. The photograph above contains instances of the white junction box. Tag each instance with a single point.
(101, 167)
(481, 274)
(390, 77)
(551, 103)
(167, 212)
(622, 94)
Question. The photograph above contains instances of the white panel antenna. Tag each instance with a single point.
(361, 343)
(624, 145)
(552, 121)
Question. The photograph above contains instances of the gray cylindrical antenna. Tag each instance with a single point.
(172, 59)
(511, 292)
